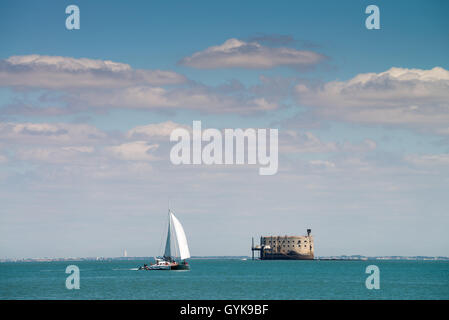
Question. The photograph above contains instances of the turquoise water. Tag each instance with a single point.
(227, 279)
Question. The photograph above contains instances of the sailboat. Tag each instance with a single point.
(176, 248)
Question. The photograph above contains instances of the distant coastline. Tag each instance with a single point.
(341, 257)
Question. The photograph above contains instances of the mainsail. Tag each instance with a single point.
(176, 231)
(167, 252)
(181, 238)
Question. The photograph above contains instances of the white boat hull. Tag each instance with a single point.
(159, 267)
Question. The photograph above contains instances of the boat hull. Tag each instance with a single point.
(181, 267)
(166, 265)
(156, 267)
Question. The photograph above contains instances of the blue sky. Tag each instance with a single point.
(364, 148)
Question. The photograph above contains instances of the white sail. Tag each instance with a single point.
(180, 237)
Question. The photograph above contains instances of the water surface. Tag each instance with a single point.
(227, 279)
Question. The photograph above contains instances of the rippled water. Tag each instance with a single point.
(227, 279)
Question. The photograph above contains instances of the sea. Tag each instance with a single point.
(225, 279)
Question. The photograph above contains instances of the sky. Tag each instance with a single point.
(86, 116)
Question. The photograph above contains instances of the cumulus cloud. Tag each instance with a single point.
(55, 72)
(234, 53)
(195, 98)
(397, 96)
(54, 155)
(72, 85)
(81, 144)
(49, 133)
(155, 130)
(79, 137)
(134, 151)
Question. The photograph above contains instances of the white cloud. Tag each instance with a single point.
(54, 72)
(234, 53)
(155, 130)
(60, 141)
(54, 155)
(196, 98)
(67, 63)
(397, 96)
(49, 133)
(81, 144)
(83, 84)
(134, 151)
